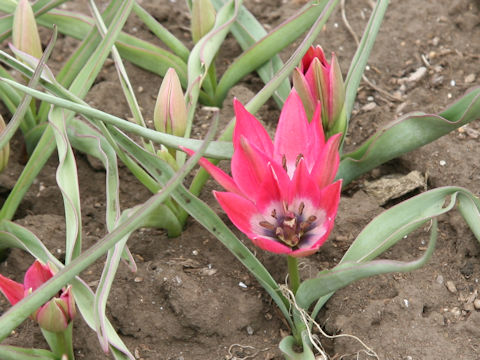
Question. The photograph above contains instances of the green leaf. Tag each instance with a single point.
(406, 134)
(8, 352)
(288, 344)
(217, 149)
(16, 236)
(329, 281)
(360, 59)
(392, 225)
(272, 44)
(13, 317)
(162, 33)
(247, 30)
(67, 180)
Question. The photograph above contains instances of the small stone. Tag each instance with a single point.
(439, 279)
(470, 78)
(451, 287)
(369, 106)
(250, 330)
(476, 304)
(442, 163)
(242, 285)
(456, 311)
(138, 279)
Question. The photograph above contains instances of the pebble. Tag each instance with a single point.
(456, 311)
(369, 106)
(451, 287)
(242, 285)
(476, 304)
(249, 330)
(470, 78)
(442, 163)
(418, 74)
(439, 279)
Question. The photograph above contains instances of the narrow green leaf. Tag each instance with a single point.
(15, 236)
(406, 134)
(272, 44)
(247, 30)
(329, 281)
(8, 352)
(162, 33)
(203, 54)
(15, 315)
(67, 180)
(392, 225)
(217, 149)
(360, 59)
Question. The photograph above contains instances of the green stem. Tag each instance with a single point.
(61, 342)
(293, 275)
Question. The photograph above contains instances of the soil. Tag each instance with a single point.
(173, 308)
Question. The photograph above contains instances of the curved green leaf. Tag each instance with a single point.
(406, 134)
(389, 227)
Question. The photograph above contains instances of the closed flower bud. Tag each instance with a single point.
(24, 31)
(318, 80)
(170, 114)
(55, 314)
(203, 18)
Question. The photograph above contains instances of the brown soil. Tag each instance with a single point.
(173, 309)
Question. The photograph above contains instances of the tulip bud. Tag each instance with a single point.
(170, 114)
(25, 35)
(56, 314)
(203, 18)
(317, 80)
(5, 152)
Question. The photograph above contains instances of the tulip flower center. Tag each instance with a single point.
(289, 226)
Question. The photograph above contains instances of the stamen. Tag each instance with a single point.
(284, 162)
(300, 208)
(297, 160)
(311, 218)
(267, 225)
(274, 213)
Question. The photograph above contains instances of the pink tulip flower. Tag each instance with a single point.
(56, 314)
(281, 193)
(317, 80)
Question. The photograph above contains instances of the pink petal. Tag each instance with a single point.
(239, 210)
(292, 137)
(269, 191)
(329, 199)
(317, 136)
(249, 168)
(303, 185)
(326, 164)
(248, 126)
(12, 290)
(271, 245)
(304, 252)
(36, 275)
(218, 174)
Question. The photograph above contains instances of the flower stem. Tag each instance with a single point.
(293, 275)
(61, 342)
